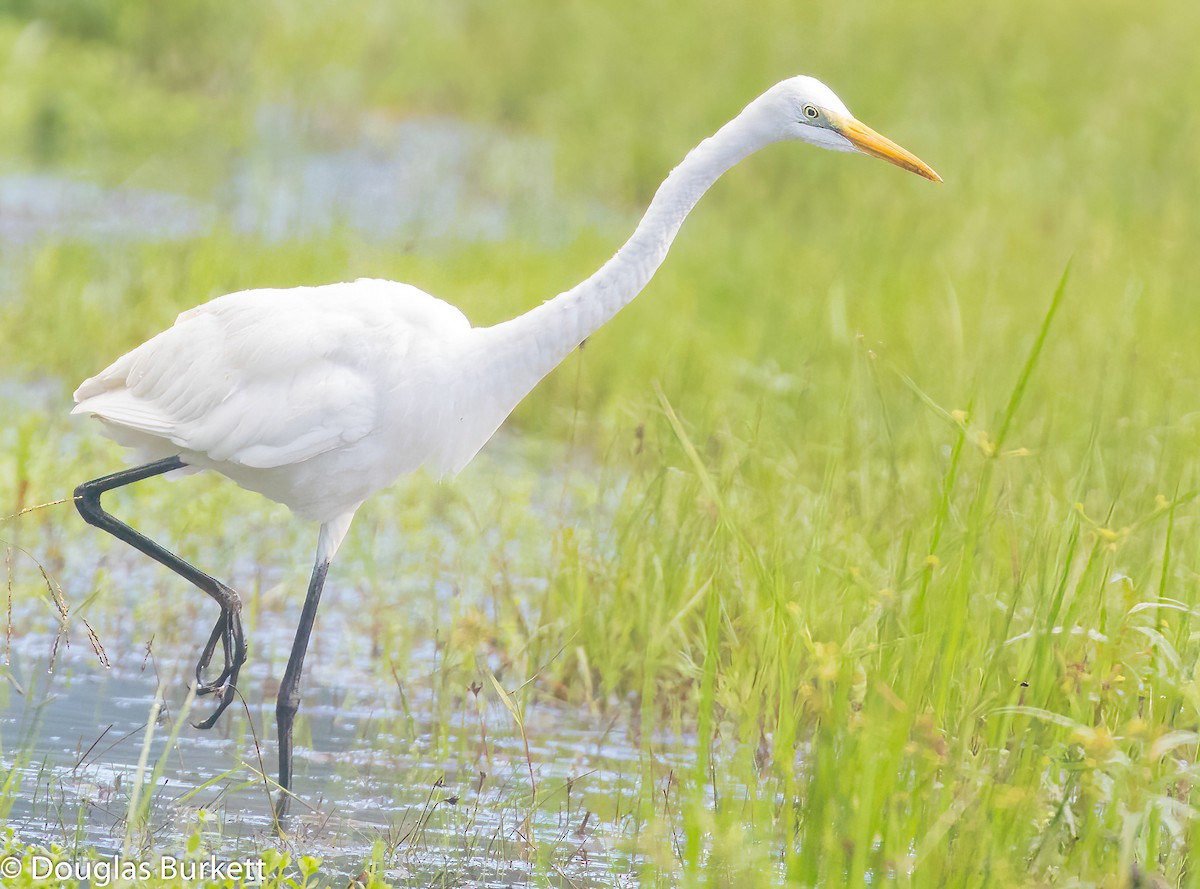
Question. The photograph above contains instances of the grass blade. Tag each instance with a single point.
(1014, 400)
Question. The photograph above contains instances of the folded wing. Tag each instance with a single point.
(264, 378)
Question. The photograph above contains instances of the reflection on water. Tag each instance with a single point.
(417, 181)
(36, 207)
(395, 760)
(437, 795)
(391, 763)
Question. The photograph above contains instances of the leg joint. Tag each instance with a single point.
(87, 501)
(287, 704)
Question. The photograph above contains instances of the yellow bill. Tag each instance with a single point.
(870, 142)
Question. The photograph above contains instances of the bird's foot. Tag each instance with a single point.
(220, 633)
(227, 630)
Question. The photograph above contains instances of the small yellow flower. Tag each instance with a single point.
(827, 660)
(1097, 742)
(1137, 728)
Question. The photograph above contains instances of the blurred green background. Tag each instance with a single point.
(1060, 131)
(980, 661)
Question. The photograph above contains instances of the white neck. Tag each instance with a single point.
(513, 356)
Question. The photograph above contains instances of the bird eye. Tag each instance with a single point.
(811, 112)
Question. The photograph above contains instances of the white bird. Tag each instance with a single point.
(317, 397)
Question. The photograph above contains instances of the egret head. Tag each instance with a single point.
(804, 108)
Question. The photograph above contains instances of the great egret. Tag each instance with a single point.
(317, 397)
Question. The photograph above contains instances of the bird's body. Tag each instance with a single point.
(317, 397)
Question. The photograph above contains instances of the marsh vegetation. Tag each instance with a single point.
(855, 551)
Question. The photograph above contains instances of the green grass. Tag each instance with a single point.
(907, 560)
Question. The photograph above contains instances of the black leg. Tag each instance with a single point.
(289, 688)
(228, 629)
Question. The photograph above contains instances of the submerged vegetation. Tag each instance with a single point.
(868, 540)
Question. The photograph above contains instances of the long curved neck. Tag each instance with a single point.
(518, 353)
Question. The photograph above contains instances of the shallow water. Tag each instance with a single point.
(389, 754)
(434, 779)
(422, 792)
(36, 207)
(416, 182)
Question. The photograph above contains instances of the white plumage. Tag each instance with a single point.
(317, 397)
(314, 397)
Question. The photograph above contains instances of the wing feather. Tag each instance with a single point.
(266, 378)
